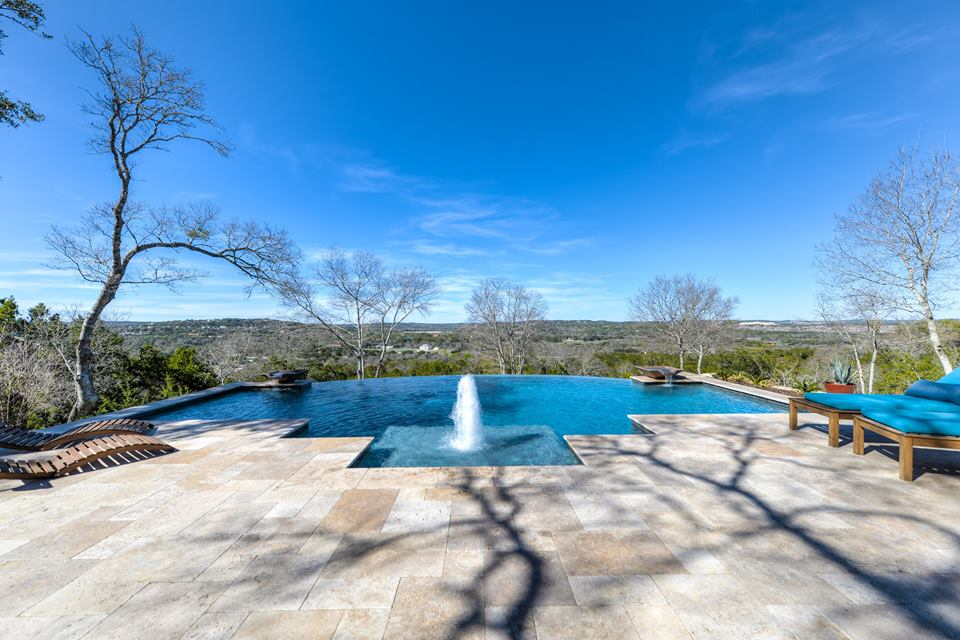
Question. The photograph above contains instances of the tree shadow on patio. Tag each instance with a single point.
(913, 597)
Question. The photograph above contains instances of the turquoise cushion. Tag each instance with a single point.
(931, 423)
(862, 401)
(940, 391)
(951, 378)
(845, 401)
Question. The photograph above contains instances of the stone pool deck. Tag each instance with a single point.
(716, 527)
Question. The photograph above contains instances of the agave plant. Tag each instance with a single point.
(806, 384)
(842, 373)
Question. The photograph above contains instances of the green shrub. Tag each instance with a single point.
(152, 375)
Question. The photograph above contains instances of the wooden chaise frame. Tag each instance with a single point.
(42, 440)
(907, 442)
(833, 415)
(56, 462)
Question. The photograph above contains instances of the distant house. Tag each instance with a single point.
(427, 347)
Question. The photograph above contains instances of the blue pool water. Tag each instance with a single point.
(524, 417)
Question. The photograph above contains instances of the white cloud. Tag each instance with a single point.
(430, 249)
(372, 178)
(559, 246)
(807, 66)
(867, 120)
(686, 141)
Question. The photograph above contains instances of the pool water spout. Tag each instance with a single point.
(468, 429)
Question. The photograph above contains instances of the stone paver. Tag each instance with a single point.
(716, 526)
(289, 625)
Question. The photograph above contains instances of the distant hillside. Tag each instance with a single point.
(169, 335)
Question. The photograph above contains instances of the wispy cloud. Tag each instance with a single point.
(580, 295)
(568, 294)
(791, 58)
(911, 38)
(429, 249)
(866, 120)
(449, 218)
(192, 195)
(559, 246)
(484, 217)
(686, 141)
(372, 178)
(460, 220)
(807, 66)
(39, 271)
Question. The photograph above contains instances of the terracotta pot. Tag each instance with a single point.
(835, 387)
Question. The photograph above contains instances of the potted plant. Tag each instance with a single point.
(842, 379)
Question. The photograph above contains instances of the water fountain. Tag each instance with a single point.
(468, 429)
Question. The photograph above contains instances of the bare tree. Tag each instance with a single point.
(30, 16)
(714, 324)
(228, 355)
(341, 298)
(901, 239)
(858, 318)
(401, 293)
(510, 316)
(689, 312)
(145, 102)
(360, 302)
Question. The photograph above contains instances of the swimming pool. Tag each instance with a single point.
(524, 417)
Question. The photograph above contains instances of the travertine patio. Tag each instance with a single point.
(715, 527)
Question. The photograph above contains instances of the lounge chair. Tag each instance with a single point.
(661, 373)
(57, 462)
(42, 440)
(846, 406)
(939, 430)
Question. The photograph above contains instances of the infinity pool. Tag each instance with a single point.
(524, 417)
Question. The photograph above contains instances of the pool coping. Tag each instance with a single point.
(142, 410)
(773, 396)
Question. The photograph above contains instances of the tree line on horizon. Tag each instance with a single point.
(892, 258)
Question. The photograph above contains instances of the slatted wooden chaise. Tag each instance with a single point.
(42, 440)
(909, 430)
(57, 462)
(847, 406)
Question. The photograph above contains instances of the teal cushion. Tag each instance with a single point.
(844, 401)
(951, 378)
(940, 391)
(862, 402)
(930, 423)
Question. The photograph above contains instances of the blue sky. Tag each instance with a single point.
(578, 148)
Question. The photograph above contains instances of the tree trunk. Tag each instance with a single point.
(872, 370)
(859, 362)
(383, 354)
(384, 340)
(87, 398)
(681, 357)
(699, 361)
(501, 356)
(934, 334)
(361, 369)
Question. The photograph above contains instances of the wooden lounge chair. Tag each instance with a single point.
(833, 415)
(661, 373)
(846, 406)
(57, 462)
(935, 430)
(42, 440)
